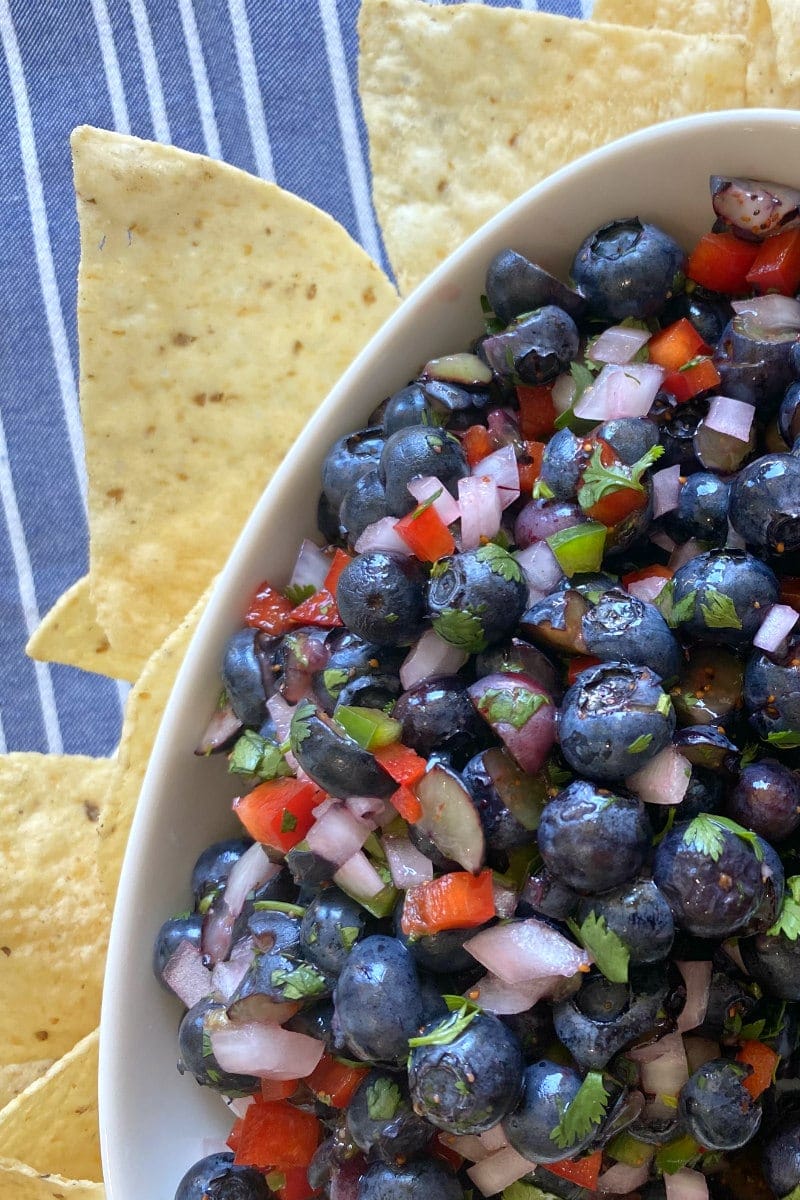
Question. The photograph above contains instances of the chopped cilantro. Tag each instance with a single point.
(718, 610)
(349, 935)
(584, 1111)
(706, 833)
(675, 612)
(296, 593)
(500, 562)
(786, 740)
(749, 754)
(276, 1180)
(542, 491)
(303, 981)
(447, 1030)
(598, 481)
(299, 729)
(788, 922)
(288, 822)
(608, 950)
(440, 568)
(492, 322)
(424, 505)
(640, 744)
(334, 679)
(462, 1087)
(664, 705)
(461, 628)
(383, 1099)
(670, 821)
(283, 906)
(525, 1191)
(254, 755)
(513, 705)
(207, 1050)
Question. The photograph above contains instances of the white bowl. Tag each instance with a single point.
(154, 1122)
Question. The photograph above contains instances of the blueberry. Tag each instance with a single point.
(349, 458)
(197, 1057)
(363, 504)
(548, 1089)
(772, 693)
(708, 312)
(629, 437)
(543, 892)
(627, 269)
(766, 798)
(603, 1017)
(333, 759)
(623, 628)
(755, 365)
(678, 427)
(477, 597)
(773, 878)
(381, 1121)
(765, 504)
(722, 596)
(332, 924)
(541, 518)
(593, 840)
(515, 285)
(774, 962)
(169, 937)
(705, 793)
(509, 801)
(562, 464)
(439, 953)
(437, 714)
(211, 870)
(216, 1177)
(535, 347)
(702, 510)
(351, 661)
(380, 597)
(408, 406)
(417, 1179)
(243, 676)
(377, 1000)
(780, 1156)
(613, 720)
(716, 1108)
(789, 414)
(556, 621)
(419, 450)
(639, 915)
(316, 1020)
(518, 657)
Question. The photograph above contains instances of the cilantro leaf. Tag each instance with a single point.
(788, 922)
(447, 1030)
(675, 612)
(299, 729)
(584, 1111)
(718, 610)
(288, 822)
(525, 1191)
(513, 705)
(424, 505)
(255, 755)
(461, 628)
(542, 491)
(500, 562)
(334, 679)
(383, 1099)
(598, 480)
(282, 906)
(706, 833)
(303, 981)
(296, 593)
(349, 935)
(640, 744)
(786, 740)
(606, 947)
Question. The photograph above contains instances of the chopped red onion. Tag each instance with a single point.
(666, 490)
(505, 999)
(732, 417)
(408, 865)
(322, 808)
(503, 425)
(494, 1138)
(505, 899)
(281, 713)
(666, 1075)
(524, 950)
(685, 552)
(648, 589)
(562, 392)
(337, 835)
(186, 975)
(217, 931)
(228, 974)
(627, 391)
(431, 655)
(659, 538)
(773, 630)
(467, 1145)
(540, 566)
(268, 1051)
(756, 207)
(664, 779)
(499, 1170)
(311, 567)
(247, 875)
(481, 510)
(670, 1043)
(382, 535)
(358, 876)
(501, 466)
(774, 313)
(371, 808)
(618, 344)
(422, 487)
(686, 1185)
(620, 1179)
(697, 977)
(220, 730)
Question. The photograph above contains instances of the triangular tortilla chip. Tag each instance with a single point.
(20, 1182)
(16, 1076)
(70, 634)
(215, 311)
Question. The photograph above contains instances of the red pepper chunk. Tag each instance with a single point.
(477, 444)
(537, 412)
(776, 267)
(319, 609)
(276, 1136)
(295, 1185)
(690, 381)
(720, 261)
(335, 1082)
(403, 764)
(581, 663)
(278, 813)
(458, 900)
(763, 1059)
(584, 1171)
(673, 346)
(530, 465)
(269, 610)
(338, 563)
(426, 534)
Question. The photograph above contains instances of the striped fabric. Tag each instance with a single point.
(242, 80)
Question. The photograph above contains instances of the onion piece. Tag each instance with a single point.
(500, 1170)
(268, 1051)
(662, 539)
(371, 808)
(311, 567)
(494, 1138)
(506, 999)
(648, 589)
(481, 510)
(774, 313)
(697, 977)
(686, 1185)
(248, 874)
(685, 552)
(505, 899)
(755, 207)
(666, 490)
(731, 417)
(627, 391)
(618, 344)
(663, 1065)
(431, 655)
(501, 466)
(540, 567)
(381, 535)
(664, 779)
(422, 487)
(468, 1145)
(357, 876)
(227, 975)
(408, 865)
(186, 974)
(521, 951)
(221, 729)
(281, 713)
(774, 629)
(337, 835)
(562, 392)
(620, 1179)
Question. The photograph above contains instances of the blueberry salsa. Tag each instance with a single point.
(514, 909)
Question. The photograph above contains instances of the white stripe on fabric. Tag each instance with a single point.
(43, 248)
(205, 101)
(345, 112)
(27, 593)
(254, 108)
(108, 52)
(3, 742)
(152, 79)
(587, 8)
(529, 5)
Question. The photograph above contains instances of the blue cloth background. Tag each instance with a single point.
(268, 85)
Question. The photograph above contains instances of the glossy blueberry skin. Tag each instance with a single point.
(592, 840)
(780, 1156)
(627, 268)
(547, 1091)
(789, 414)
(765, 504)
(772, 690)
(504, 793)
(193, 1041)
(515, 285)
(215, 1177)
(556, 621)
(332, 924)
(544, 893)
(408, 406)
(381, 598)
(603, 714)
(419, 450)
(562, 464)
(315, 1020)
(378, 1001)
(716, 1108)
(243, 677)
(702, 510)
(417, 1179)
(352, 659)
(743, 579)
(602, 1018)
(774, 886)
(169, 937)
(535, 347)
(401, 1135)
(708, 312)
(774, 963)
(622, 628)
(705, 793)
(630, 437)
(710, 898)
(437, 714)
(754, 367)
(467, 582)
(766, 798)
(518, 657)
(211, 870)
(439, 953)
(639, 915)
(469, 1085)
(335, 761)
(348, 459)
(363, 504)
(678, 430)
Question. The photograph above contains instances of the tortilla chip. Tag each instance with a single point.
(143, 713)
(70, 634)
(765, 86)
(20, 1182)
(215, 311)
(786, 32)
(684, 16)
(53, 1124)
(16, 1076)
(468, 106)
(53, 919)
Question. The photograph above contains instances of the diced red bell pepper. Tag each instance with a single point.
(476, 443)
(584, 1171)
(335, 1082)
(763, 1059)
(647, 573)
(690, 381)
(720, 261)
(406, 803)
(614, 507)
(235, 1135)
(278, 813)
(458, 900)
(425, 533)
(530, 465)
(581, 663)
(278, 1089)
(537, 412)
(319, 609)
(277, 1136)
(674, 345)
(269, 610)
(338, 563)
(776, 267)
(295, 1185)
(402, 763)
